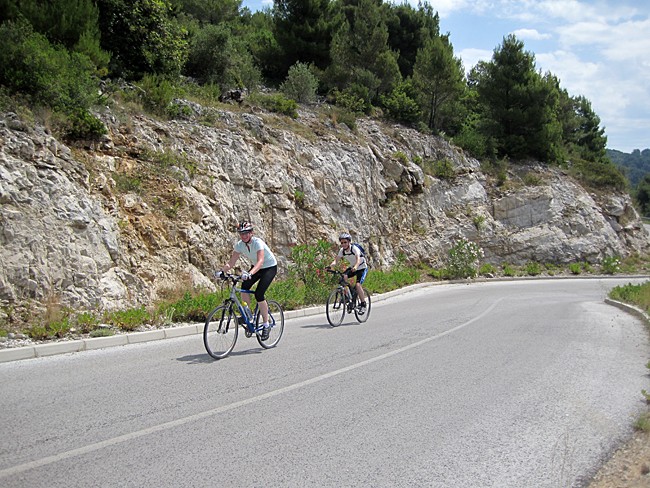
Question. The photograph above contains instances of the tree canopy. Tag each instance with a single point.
(370, 56)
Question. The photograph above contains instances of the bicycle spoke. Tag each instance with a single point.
(363, 314)
(276, 324)
(220, 332)
(335, 307)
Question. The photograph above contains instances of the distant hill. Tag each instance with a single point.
(635, 165)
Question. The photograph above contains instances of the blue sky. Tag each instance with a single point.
(597, 48)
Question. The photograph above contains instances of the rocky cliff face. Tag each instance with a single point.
(153, 205)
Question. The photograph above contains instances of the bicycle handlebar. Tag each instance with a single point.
(340, 275)
(229, 277)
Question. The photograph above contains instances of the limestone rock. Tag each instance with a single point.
(153, 207)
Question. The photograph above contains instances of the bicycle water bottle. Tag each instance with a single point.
(247, 311)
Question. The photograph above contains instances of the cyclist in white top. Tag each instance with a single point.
(358, 266)
(264, 269)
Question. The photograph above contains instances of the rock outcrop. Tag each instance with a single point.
(152, 206)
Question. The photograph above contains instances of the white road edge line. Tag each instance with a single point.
(225, 408)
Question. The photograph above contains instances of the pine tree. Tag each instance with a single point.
(520, 105)
(438, 76)
(360, 53)
(303, 30)
(408, 31)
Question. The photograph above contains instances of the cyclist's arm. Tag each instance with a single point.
(259, 263)
(336, 261)
(357, 254)
(233, 259)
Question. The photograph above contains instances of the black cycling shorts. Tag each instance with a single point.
(359, 274)
(265, 277)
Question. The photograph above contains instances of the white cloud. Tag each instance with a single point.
(447, 7)
(620, 101)
(532, 34)
(472, 56)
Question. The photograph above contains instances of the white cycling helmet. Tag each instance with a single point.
(245, 226)
(346, 236)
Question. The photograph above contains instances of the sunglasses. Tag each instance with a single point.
(245, 232)
(344, 242)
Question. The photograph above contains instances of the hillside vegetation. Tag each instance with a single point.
(365, 57)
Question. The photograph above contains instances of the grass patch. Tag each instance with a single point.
(638, 295)
(643, 422)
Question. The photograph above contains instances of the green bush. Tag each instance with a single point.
(508, 270)
(487, 269)
(157, 93)
(308, 264)
(533, 268)
(575, 268)
(611, 265)
(342, 116)
(87, 322)
(287, 292)
(102, 332)
(383, 281)
(444, 169)
(50, 75)
(277, 103)
(401, 104)
(193, 306)
(599, 174)
(84, 125)
(128, 320)
(301, 84)
(59, 328)
(464, 259)
(38, 332)
(350, 100)
(632, 294)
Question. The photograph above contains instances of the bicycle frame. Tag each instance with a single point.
(249, 324)
(345, 286)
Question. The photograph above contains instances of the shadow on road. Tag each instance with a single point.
(326, 325)
(206, 358)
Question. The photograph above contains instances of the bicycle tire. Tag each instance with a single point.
(363, 316)
(220, 331)
(335, 307)
(276, 321)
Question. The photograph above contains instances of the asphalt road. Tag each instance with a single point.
(504, 384)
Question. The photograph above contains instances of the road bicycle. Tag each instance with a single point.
(343, 299)
(222, 324)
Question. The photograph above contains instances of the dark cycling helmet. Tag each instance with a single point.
(245, 226)
(346, 236)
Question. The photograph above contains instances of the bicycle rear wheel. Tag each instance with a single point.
(362, 316)
(335, 307)
(220, 331)
(276, 322)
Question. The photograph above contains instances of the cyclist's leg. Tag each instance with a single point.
(266, 276)
(272, 334)
(361, 277)
(247, 285)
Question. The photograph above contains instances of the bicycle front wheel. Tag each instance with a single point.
(335, 307)
(363, 314)
(276, 323)
(220, 331)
